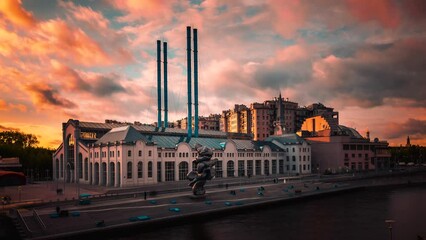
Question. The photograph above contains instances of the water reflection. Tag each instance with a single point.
(358, 215)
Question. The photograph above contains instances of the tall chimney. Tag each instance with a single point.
(166, 105)
(188, 54)
(196, 82)
(159, 83)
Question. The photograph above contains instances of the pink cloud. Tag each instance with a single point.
(287, 16)
(12, 10)
(382, 11)
(86, 15)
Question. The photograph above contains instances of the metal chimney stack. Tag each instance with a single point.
(188, 55)
(166, 107)
(195, 82)
(159, 124)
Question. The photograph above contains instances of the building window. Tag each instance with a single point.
(140, 173)
(140, 153)
(149, 153)
(118, 153)
(281, 166)
(219, 170)
(287, 158)
(241, 169)
(274, 166)
(170, 171)
(230, 168)
(258, 167)
(150, 169)
(266, 167)
(294, 149)
(293, 158)
(159, 171)
(183, 170)
(159, 154)
(86, 169)
(250, 168)
(129, 153)
(129, 170)
(294, 168)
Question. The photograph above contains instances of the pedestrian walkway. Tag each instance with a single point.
(113, 214)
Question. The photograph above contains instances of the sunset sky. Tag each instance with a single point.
(95, 60)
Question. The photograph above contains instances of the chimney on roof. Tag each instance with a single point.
(159, 124)
(189, 72)
(196, 82)
(166, 105)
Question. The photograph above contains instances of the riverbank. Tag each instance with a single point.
(176, 208)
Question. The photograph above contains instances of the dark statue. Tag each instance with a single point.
(205, 170)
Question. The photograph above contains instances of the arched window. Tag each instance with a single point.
(140, 170)
(80, 166)
(183, 170)
(61, 165)
(266, 167)
(150, 169)
(86, 169)
(230, 169)
(129, 170)
(57, 168)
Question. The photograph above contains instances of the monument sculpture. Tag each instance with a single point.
(205, 170)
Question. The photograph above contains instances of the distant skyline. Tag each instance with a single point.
(96, 60)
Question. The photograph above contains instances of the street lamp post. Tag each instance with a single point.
(389, 223)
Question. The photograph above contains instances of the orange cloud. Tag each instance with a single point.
(56, 36)
(382, 11)
(13, 11)
(145, 9)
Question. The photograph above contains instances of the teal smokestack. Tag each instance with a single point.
(188, 54)
(195, 83)
(166, 104)
(159, 83)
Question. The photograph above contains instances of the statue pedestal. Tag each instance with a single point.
(197, 197)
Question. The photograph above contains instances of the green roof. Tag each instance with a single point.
(287, 139)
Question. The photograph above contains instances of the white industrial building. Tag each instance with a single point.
(122, 154)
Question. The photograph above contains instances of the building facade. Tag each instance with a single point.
(237, 120)
(336, 148)
(120, 155)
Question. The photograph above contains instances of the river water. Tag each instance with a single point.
(356, 215)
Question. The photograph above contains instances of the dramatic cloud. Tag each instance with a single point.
(415, 128)
(46, 95)
(375, 74)
(96, 60)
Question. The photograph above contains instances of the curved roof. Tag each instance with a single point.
(349, 131)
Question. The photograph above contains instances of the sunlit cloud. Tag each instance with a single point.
(96, 60)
